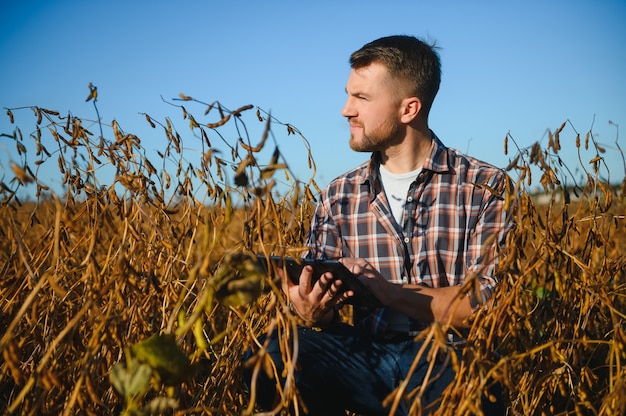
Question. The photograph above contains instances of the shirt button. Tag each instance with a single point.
(407, 240)
(409, 199)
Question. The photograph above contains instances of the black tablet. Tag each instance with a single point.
(293, 267)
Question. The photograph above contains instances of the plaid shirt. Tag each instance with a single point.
(449, 216)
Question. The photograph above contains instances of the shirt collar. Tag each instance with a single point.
(437, 161)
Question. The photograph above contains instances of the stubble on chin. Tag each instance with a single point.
(361, 145)
(377, 139)
(360, 142)
(368, 143)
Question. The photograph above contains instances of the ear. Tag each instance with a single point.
(411, 107)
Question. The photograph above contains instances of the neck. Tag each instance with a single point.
(408, 154)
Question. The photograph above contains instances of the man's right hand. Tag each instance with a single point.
(315, 303)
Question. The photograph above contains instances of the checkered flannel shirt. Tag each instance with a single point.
(452, 209)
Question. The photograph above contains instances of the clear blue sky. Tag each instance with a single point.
(517, 66)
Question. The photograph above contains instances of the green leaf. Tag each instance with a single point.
(239, 281)
(119, 378)
(139, 380)
(132, 380)
(165, 357)
(160, 405)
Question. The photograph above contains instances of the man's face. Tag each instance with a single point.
(372, 108)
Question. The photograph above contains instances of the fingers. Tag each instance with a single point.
(328, 285)
(313, 300)
(306, 276)
(300, 291)
(285, 282)
(333, 292)
(326, 281)
(356, 266)
(318, 293)
(360, 267)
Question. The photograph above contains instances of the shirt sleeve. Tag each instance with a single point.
(488, 236)
(324, 240)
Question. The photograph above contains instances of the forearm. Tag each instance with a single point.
(444, 305)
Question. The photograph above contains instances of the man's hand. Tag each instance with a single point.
(315, 303)
(369, 276)
(446, 305)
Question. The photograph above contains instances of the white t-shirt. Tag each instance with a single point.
(396, 186)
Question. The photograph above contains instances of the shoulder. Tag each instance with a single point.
(489, 179)
(462, 168)
(472, 163)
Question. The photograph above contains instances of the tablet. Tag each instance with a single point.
(293, 266)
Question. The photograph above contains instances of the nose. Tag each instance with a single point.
(348, 109)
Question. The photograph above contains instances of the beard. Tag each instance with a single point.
(382, 136)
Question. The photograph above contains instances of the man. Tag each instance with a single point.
(413, 223)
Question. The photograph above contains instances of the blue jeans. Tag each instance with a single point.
(342, 369)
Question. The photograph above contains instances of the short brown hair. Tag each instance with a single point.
(408, 59)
